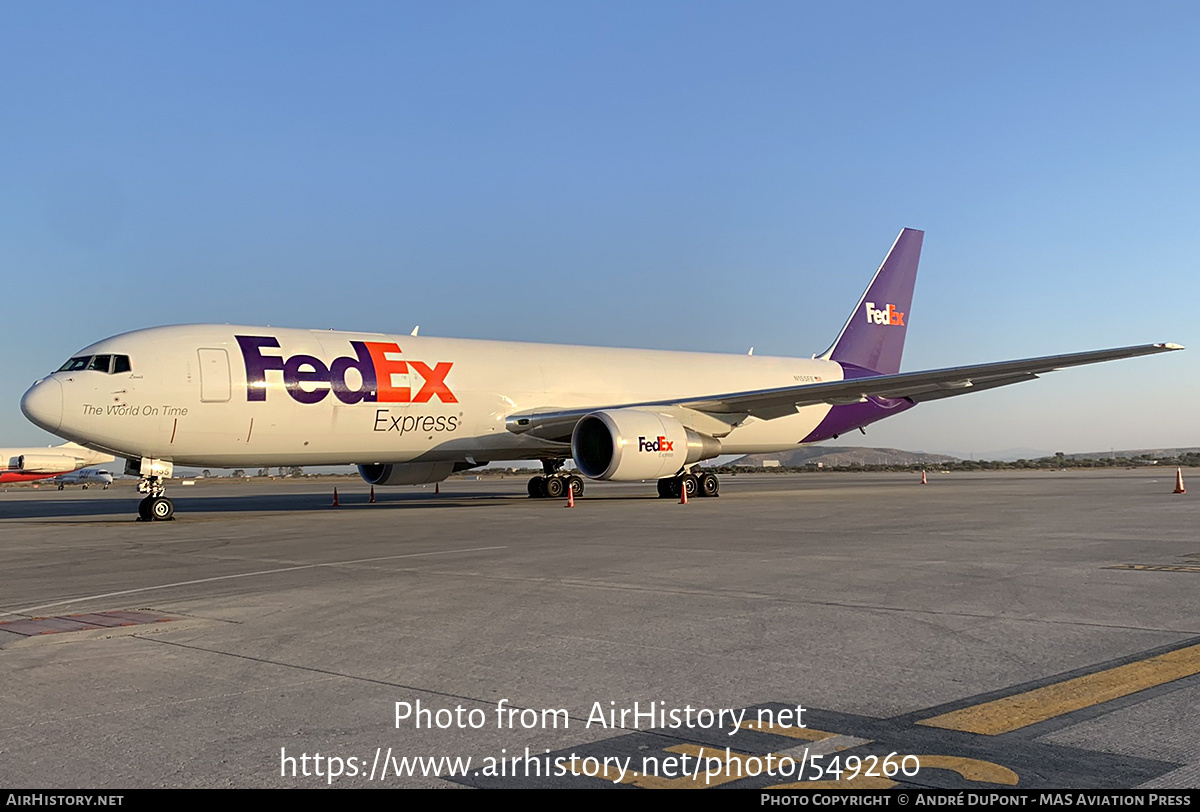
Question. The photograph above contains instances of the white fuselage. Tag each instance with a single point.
(195, 394)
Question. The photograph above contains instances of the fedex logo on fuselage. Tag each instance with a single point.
(888, 316)
(383, 377)
(659, 443)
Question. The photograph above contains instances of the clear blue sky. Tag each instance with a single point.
(698, 175)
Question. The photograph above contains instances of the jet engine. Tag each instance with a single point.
(46, 464)
(631, 445)
(405, 473)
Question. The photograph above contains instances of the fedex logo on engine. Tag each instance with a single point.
(382, 376)
(888, 316)
(659, 443)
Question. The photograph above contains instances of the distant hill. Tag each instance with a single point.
(1137, 452)
(836, 456)
(833, 456)
(1004, 454)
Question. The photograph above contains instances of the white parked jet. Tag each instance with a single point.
(85, 478)
(412, 409)
(26, 464)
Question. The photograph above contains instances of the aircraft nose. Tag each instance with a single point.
(43, 404)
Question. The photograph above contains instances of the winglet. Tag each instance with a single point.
(873, 337)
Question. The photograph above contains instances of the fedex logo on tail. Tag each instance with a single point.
(659, 443)
(888, 316)
(383, 377)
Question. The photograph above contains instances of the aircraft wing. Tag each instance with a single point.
(768, 404)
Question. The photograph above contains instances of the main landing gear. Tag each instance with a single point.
(555, 482)
(705, 484)
(156, 507)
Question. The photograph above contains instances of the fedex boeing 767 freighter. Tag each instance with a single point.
(410, 410)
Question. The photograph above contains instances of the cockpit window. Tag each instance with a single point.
(100, 363)
(110, 364)
(74, 364)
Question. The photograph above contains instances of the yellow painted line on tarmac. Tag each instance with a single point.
(807, 734)
(1021, 710)
(858, 782)
(972, 769)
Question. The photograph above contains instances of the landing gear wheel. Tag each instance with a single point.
(690, 482)
(161, 508)
(576, 484)
(556, 486)
(156, 507)
(710, 485)
(537, 488)
(664, 488)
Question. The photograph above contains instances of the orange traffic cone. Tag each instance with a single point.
(682, 492)
(372, 501)
(924, 481)
(1179, 481)
(570, 495)
(335, 499)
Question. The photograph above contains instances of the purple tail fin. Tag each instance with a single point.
(873, 337)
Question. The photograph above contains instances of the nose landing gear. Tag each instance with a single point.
(152, 476)
(156, 509)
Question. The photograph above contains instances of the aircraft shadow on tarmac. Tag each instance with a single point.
(270, 503)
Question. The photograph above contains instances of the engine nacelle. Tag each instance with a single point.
(46, 463)
(631, 444)
(406, 473)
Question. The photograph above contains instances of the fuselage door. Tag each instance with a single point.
(214, 375)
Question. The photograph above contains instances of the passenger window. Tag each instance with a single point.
(120, 364)
(100, 363)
